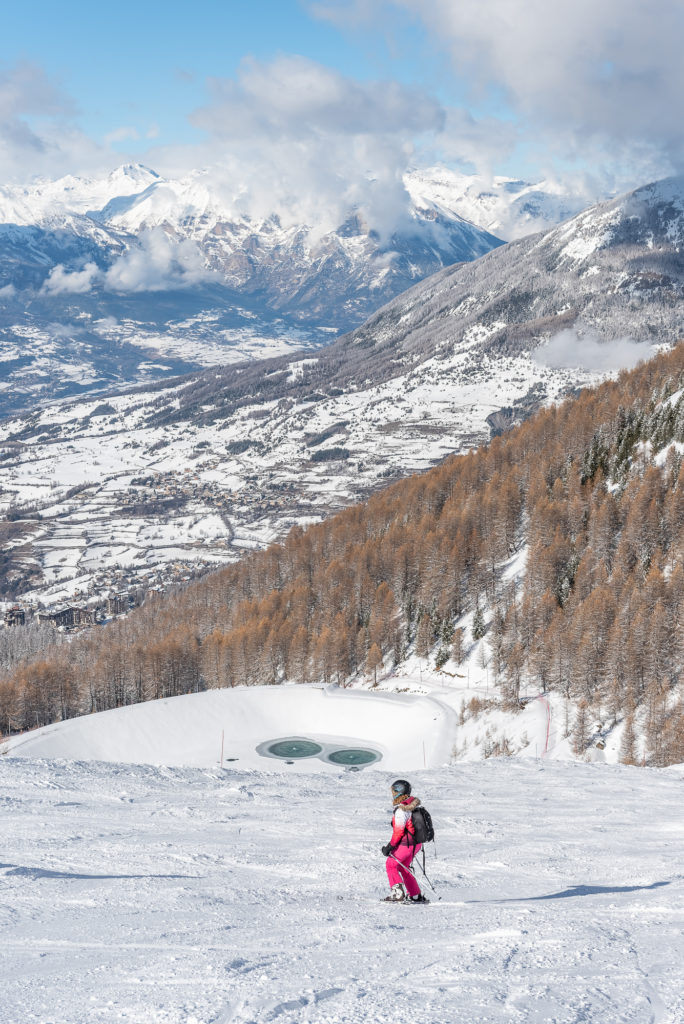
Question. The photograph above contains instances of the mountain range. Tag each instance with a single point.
(135, 277)
(105, 282)
(202, 467)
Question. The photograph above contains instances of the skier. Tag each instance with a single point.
(402, 847)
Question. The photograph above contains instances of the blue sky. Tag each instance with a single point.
(147, 64)
(296, 94)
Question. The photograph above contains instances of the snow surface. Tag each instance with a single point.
(200, 896)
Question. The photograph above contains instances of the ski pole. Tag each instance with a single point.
(427, 879)
(407, 868)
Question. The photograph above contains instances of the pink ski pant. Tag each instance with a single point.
(397, 873)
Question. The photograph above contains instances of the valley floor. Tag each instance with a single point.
(188, 896)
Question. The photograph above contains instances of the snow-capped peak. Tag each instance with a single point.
(139, 174)
(44, 201)
(507, 207)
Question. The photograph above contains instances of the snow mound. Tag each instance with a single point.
(403, 732)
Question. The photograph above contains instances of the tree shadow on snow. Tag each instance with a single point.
(580, 890)
(17, 871)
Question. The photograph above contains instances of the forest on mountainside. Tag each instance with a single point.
(593, 488)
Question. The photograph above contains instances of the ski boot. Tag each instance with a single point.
(417, 899)
(396, 894)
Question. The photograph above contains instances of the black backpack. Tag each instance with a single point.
(423, 829)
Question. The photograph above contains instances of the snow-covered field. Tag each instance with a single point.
(208, 895)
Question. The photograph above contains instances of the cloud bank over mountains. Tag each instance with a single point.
(582, 90)
(313, 144)
(290, 137)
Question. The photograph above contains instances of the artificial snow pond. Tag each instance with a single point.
(296, 747)
(278, 728)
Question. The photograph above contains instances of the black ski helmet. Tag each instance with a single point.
(401, 788)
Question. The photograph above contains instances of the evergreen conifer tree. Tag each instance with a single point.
(479, 627)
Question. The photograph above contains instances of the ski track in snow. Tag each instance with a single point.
(187, 896)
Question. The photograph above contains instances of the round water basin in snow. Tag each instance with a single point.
(288, 749)
(353, 756)
(344, 752)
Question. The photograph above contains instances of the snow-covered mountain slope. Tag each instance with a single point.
(46, 202)
(110, 281)
(508, 207)
(197, 896)
(614, 272)
(134, 490)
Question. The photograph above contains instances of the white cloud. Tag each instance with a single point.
(37, 133)
(306, 142)
(480, 143)
(157, 264)
(347, 13)
(594, 84)
(62, 281)
(588, 352)
(63, 331)
(26, 90)
(8, 291)
(608, 71)
(126, 131)
(105, 325)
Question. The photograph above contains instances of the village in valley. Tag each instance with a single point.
(108, 594)
(116, 548)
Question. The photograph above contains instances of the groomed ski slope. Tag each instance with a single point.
(252, 894)
(169, 895)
